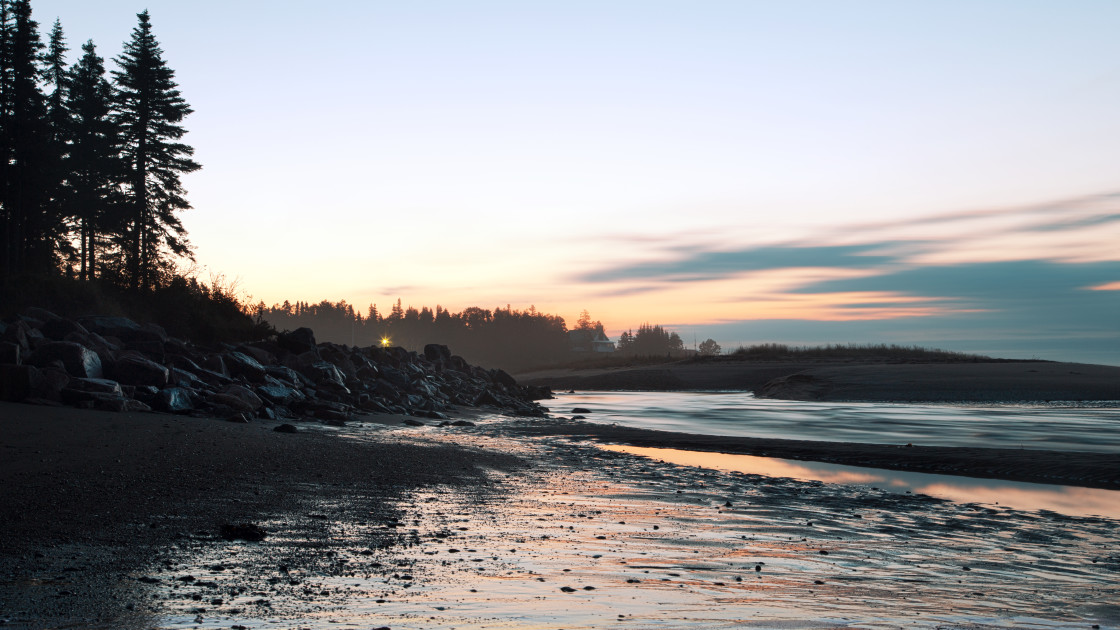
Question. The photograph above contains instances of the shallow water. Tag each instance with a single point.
(1067, 500)
(590, 539)
(1062, 427)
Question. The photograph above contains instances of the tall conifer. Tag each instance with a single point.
(93, 165)
(25, 228)
(149, 112)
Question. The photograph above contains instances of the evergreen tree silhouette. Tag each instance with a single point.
(24, 143)
(149, 113)
(56, 76)
(95, 171)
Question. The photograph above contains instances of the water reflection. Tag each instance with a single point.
(1021, 496)
(1071, 427)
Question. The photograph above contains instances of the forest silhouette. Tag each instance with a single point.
(91, 162)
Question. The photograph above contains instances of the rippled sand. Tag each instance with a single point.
(584, 538)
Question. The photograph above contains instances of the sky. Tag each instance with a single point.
(941, 173)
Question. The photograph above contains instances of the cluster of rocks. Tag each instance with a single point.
(115, 364)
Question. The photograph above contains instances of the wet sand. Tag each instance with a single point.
(114, 521)
(1023, 381)
(1090, 470)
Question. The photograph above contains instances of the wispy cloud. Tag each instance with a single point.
(713, 265)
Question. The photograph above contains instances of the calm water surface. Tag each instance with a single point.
(1070, 427)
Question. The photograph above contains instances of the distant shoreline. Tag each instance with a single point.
(997, 381)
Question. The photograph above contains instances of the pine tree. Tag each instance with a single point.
(149, 112)
(25, 227)
(56, 76)
(94, 172)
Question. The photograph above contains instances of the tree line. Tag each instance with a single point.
(500, 337)
(90, 160)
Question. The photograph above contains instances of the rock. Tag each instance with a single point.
(214, 363)
(243, 531)
(17, 382)
(16, 333)
(231, 401)
(502, 378)
(413, 423)
(120, 327)
(298, 341)
(283, 373)
(183, 378)
(264, 357)
(580, 410)
(174, 400)
(395, 377)
(10, 353)
(246, 396)
(286, 428)
(51, 384)
(324, 372)
(41, 314)
(136, 370)
(241, 364)
(462, 423)
(279, 394)
(59, 329)
(437, 352)
(78, 360)
(96, 386)
(486, 398)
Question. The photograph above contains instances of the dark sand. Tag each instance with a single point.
(91, 498)
(1024, 381)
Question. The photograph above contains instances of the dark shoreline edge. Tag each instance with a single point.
(1088, 470)
(1024, 381)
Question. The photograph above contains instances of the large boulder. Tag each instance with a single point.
(16, 332)
(262, 356)
(298, 341)
(79, 360)
(323, 372)
(246, 396)
(58, 329)
(18, 381)
(279, 394)
(243, 365)
(96, 385)
(10, 353)
(173, 400)
(437, 352)
(503, 378)
(136, 370)
(120, 327)
(394, 376)
(182, 378)
(231, 401)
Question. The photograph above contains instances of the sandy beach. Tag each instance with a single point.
(116, 521)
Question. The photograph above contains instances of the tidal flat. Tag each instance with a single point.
(493, 527)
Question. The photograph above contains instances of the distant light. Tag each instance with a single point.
(385, 342)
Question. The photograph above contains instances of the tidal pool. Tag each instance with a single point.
(1069, 500)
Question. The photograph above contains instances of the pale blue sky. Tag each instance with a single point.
(539, 152)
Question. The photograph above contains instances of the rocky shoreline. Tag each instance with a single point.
(115, 364)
